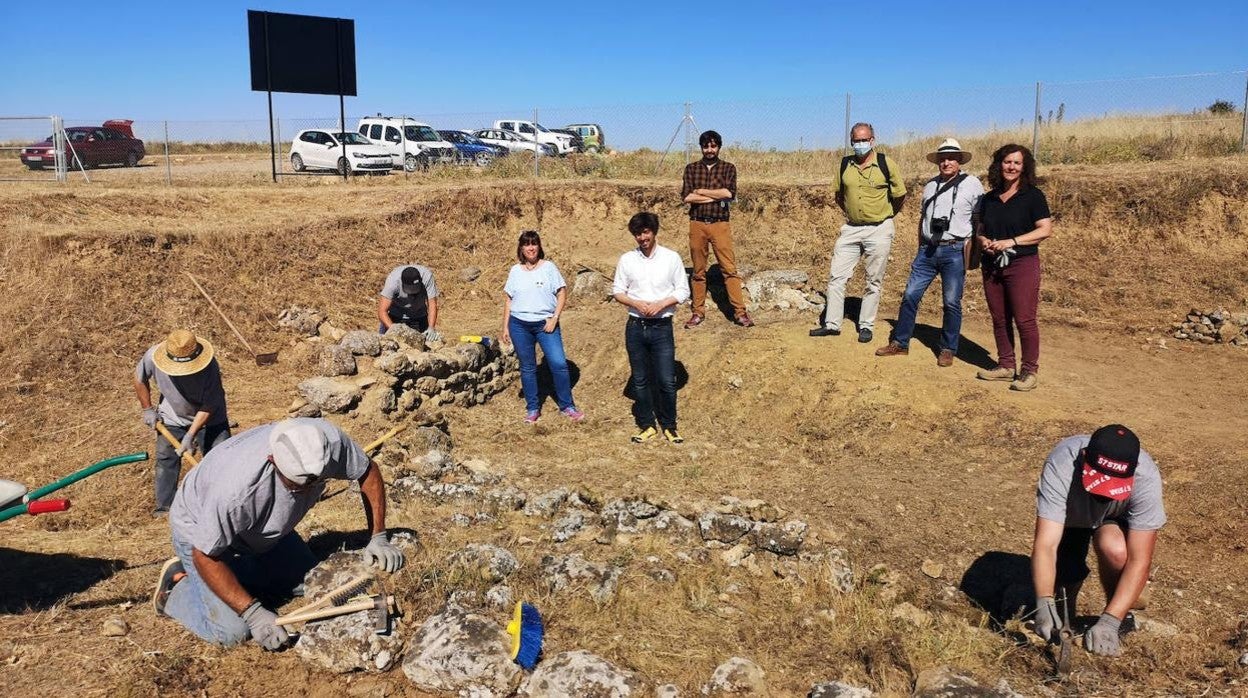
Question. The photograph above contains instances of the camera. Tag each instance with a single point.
(938, 227)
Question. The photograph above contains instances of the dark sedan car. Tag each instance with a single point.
(111, 144)
(473, 149)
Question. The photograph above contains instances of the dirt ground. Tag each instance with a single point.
(894, 460)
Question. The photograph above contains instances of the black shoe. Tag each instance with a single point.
(865, 336)
(824, 332)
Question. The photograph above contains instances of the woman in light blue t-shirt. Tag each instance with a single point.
(535, 295)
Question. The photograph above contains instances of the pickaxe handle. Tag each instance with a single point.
(385, 437)
(160, 427)
(327, 598)
(332, 611)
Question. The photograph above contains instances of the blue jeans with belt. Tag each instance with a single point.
(169, 465)
(526, 336)
(652, 359)
(932, 260)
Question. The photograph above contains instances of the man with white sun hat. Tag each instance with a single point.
(192, 404)
(233, 524)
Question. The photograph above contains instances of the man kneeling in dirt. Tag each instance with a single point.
(1105, 491)
(233, 524)
(409, 296)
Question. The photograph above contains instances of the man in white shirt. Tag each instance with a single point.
(651, 282)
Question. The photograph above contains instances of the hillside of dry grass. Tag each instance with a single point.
(896, 462)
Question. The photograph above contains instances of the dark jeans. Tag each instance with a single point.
(1072, 554)
(652, 358)
(169, 465)
(526, 335)
(1013, 294)
(945, 260)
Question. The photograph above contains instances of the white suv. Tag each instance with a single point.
(315, 149)
(561, 141)
(415, 145)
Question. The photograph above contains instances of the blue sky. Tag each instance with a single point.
(188, 61)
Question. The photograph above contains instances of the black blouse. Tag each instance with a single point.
(1015, 217)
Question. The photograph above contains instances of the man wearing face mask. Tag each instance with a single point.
(709, 187)
(870, 191)
(949, 199)
(1099, 490)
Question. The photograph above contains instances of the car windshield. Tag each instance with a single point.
(351, 138)
(420, 133)
(542, 128)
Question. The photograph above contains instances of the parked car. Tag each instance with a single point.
(111, 144)
(562, 143)
(413, 144)
(591, 135)
(513, 141)
(314, 149)
(473, 149)
(577, 143)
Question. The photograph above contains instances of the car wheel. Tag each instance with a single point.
(592, 150)
(344, 167)
(296, 162)
(132, 159)
(410, 163)
(33, 166)
(484, 158)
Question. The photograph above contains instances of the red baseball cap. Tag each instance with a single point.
(1109, 462)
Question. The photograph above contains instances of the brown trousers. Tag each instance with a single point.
(718, 237)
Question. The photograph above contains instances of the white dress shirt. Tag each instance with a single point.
(653, 278)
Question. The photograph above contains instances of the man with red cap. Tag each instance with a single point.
(1100, 491)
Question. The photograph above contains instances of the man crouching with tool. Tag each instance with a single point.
(233, 522)
(1105, 491)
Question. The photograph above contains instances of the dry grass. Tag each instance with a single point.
(896, 462)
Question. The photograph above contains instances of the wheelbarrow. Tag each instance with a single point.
(11, 492)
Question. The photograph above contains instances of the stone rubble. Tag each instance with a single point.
(1214, 326)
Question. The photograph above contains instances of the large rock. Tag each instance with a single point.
(489, 562)
(396, 364)
(547, 504)
(781, 539)
(590, 284)
(348, 642)
(330, 394)
(837, 689)
(406, 337)
(943, 682)
(458, 651)
(672, 525)
(737, 677)
(725, 528)
(623, 514)
(336, 361)
(568, 571)
(581, 674)
(304, 321)
(431, 452)
(780, 289)
(433, 364)
(361, 343)
(840, 573)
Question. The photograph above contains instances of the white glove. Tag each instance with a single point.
(1048, 623)
(383, 553)
(264, 628)
(432, 335)
(149, 417)
(1102, 638)
(188, 445)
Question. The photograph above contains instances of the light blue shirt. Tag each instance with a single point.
(532, 292)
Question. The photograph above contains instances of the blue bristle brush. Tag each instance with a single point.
(526, 633)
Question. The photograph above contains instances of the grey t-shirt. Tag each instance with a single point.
(182, 396)
(393, 287)
(1060, 496)
(233, 500)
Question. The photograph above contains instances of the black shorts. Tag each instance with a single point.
(1072, 554)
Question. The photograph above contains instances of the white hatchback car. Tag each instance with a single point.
(314, 149)
(513, 141)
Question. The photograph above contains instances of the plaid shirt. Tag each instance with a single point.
(721, 175)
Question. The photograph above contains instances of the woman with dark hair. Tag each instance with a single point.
(535, 296)
(1012, 220)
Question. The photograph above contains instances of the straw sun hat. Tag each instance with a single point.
(182, 353)
(949, 146)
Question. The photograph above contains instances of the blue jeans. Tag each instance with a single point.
(169, 465)
(271, 574)
(525, 337)
(945, 260)
(652, 358)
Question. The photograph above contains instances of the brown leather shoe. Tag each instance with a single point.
(744, 320)
(893, 349)
(694, 321)
(945, 360)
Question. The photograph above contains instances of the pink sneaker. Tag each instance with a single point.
(531, 416)
(572, 413)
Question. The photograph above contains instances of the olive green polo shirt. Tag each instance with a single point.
(867, 195)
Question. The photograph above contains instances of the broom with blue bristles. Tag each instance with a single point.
(526, 633)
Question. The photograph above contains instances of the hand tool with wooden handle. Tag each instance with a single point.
(385, 437)
(384, 604)
(173, 441)
(261, 359)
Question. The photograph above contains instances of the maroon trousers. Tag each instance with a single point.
(1013, 293)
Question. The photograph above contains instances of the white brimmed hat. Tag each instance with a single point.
(949, 146)
(300, 450)
(182, 353)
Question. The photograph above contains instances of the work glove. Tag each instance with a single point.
(264, 628)
(1102, 638)
(432, 335)
(188, 445)
(1048, 623)
(149, 417)
(383, 553)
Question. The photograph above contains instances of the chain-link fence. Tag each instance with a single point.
(1129, 120)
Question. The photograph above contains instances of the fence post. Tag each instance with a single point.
(1243, 133)
(168, 166)
(537, 153)
(1035, 128)
(847, 124)
(688, 120)
(60, 162)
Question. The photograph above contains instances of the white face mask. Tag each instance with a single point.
(861, 147)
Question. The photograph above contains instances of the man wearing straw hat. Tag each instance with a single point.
(192, 404)
(948, 200)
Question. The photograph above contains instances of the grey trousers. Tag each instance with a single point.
(169, 465)
(872, 242)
